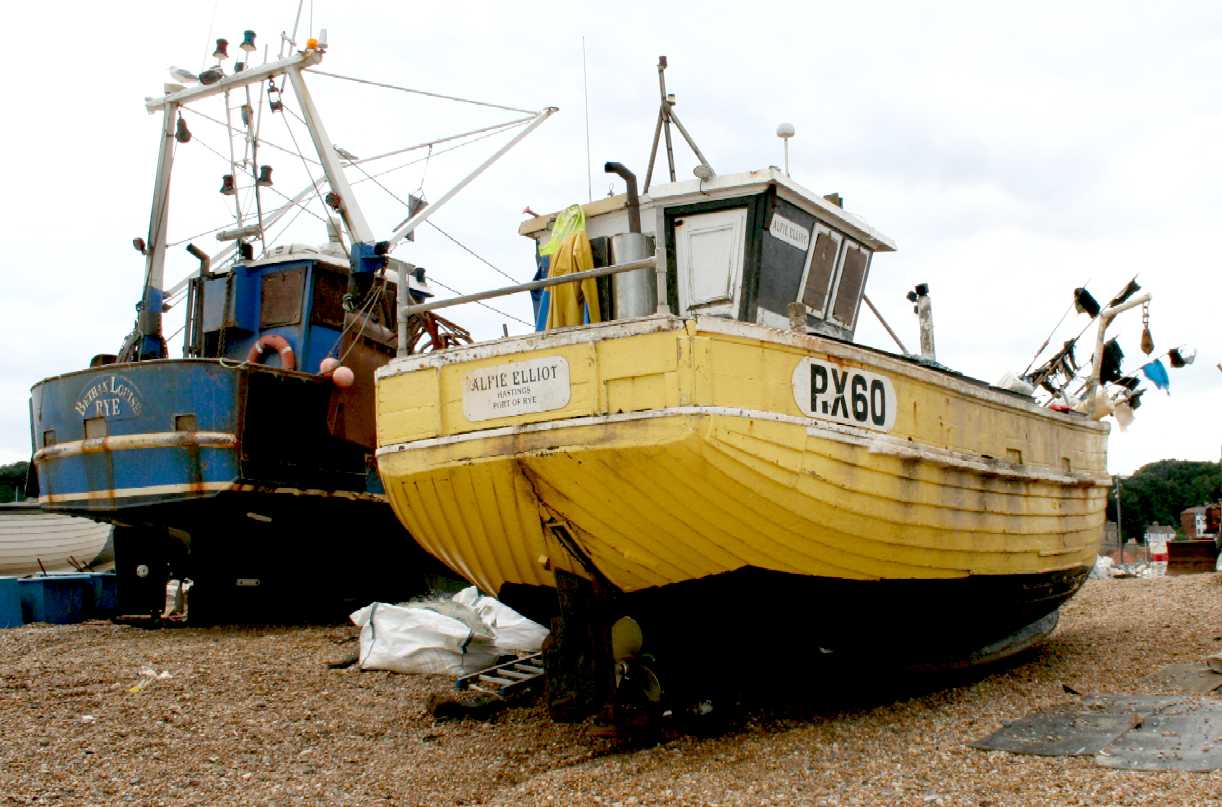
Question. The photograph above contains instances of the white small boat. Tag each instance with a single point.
(33, 541)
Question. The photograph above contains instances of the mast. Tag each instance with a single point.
(348, 209)
(151, 343)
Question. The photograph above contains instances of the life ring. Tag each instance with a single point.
(278, 343)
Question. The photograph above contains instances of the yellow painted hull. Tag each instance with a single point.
(683, 452)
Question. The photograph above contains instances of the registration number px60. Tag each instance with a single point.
(846, 395)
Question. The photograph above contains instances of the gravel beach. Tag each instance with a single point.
(254, 716)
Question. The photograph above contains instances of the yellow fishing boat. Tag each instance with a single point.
(660, 450)
(719, 448)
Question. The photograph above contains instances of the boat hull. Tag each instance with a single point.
(124, 437)
(680, 495)
(929, 623)
(686, 457)
(32, 541)
(228, 474)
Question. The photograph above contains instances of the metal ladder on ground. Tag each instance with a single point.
(506, 679)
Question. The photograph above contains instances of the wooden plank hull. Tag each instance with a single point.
(31, 541)
(684, 453)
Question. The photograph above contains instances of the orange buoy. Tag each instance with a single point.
(276, 342)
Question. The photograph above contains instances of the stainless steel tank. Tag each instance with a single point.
(635, 294)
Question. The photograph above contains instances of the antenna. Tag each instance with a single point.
(585, 82)
(666, 116)
(785, 131)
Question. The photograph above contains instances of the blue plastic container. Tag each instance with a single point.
(10, 603)
(61, 599)
(105, 595)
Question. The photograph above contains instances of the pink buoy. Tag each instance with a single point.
(328, 365)
(343, 377)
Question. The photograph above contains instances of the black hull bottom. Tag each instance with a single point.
(909, 619)
(263, 557)
(753, 628)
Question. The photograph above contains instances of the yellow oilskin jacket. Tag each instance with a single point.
(569, 299)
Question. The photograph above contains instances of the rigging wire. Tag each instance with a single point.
(419, 160)
(191, 238)
(263, 142)
(466, 248)
(1047, 339)
(485, 132)
(482, 133)
(394, 196)
(233, 161)
(453, 290)
(426, 93)
(284, 229)
(496, 127)
(358, 314)
(301, 208)
(473, 253)
(287, 126)
(424, 172)
(203, 63)
(364, 315)
(246, 218)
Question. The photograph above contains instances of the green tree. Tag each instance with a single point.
(1160, 491)
(12, 481)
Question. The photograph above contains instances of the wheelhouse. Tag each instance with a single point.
(755, 247)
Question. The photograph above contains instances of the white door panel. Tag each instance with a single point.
(709, 249)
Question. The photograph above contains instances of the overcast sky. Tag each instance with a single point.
(1012, 154)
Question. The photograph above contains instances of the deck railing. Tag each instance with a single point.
(406, 310)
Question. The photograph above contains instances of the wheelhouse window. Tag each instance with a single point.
(852, 282)
(821, 270)
(282, 292)
(329, 287)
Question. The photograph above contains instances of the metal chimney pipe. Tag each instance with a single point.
(634, 200)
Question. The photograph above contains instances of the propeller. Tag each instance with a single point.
(632, 675)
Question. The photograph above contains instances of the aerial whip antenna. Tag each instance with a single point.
(586, 88)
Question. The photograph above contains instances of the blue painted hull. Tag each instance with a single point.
(226, 473)
(127, 436)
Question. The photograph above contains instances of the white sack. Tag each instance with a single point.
(409, 639)
(514, 632)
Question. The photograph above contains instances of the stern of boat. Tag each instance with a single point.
(662, 451)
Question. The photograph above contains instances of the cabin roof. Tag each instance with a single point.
(300, 252)
(726, 185)
(609, 204)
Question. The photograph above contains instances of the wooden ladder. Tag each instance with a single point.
(506, 679)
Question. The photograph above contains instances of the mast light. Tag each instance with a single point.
(785, 131)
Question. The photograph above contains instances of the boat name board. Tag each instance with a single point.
(517, 388)
(846, 395)
(112, 397)
(790, 232)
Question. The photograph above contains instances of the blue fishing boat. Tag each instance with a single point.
(247, 464)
